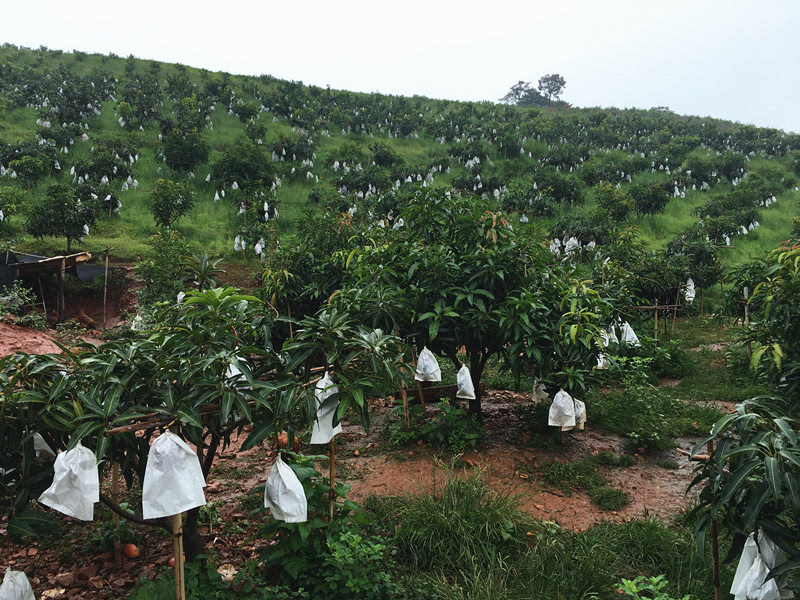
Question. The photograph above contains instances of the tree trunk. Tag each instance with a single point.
(69, 246)
(193, 542)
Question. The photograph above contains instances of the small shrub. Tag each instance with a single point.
(209, 515)
(20, 302)
(355, 568)
(647, 587)
(452, 428)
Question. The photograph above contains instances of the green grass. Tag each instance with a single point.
(585, 475)
(460, 521)
(459, 559)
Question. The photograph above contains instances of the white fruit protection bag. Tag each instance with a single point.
(750, 581)
(539, 391)
(464, 381)
(323, 430)
(427, 367)
(16, 586)
(566, 412)
(562, 411)
(689, 293)
(173, 478)
(76, 484)
(284, 495)
(629, 336)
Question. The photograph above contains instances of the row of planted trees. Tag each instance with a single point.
(209, 369)
(456, 277)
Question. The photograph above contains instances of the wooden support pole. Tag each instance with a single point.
(655, 319)
(41, 293)
(332, 478)
(747, 317)
(115, 516)
(105, 288)
(404, 396)
(675, 313)
(715, 543)
(421, 394)
(61, 272)
(177, 536)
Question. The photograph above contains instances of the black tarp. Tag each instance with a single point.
(9, 274)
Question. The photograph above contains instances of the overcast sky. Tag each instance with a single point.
(731, 59)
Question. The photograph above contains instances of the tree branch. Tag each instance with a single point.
(163, 523)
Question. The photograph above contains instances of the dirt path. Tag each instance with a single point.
(14, 338)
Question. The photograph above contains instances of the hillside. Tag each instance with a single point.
(95, 121)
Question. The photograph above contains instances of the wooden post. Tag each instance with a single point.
(41, 293)
(675, 313)
(105, 289)
(115, 516)
(177, 536)
(332, 477)
(61, 272)
(421, 394)
(714, 543)
(655, 320)
(405, 406)
(747, 317)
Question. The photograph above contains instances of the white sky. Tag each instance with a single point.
(731, 59)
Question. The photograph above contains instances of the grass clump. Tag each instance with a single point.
(584, 475)
(459, 523)
(667, 463)
(650, 417)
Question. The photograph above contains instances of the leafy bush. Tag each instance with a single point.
(162, 274)
(653, 587)
(355, 566)
(20, 302)
(452, 428)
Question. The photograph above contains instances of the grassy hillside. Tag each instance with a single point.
(421, 140)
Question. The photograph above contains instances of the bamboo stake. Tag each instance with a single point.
(115, 516)
(105, 289)
(675, 313)
(747, 317)
(715, 543)
(41, 293)
(332, 477)
(177, 536)
(405, 406)
(61, 290)
(655, 320)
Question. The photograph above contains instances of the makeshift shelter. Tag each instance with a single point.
(20, 265)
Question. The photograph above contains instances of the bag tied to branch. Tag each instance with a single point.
(323, 430)
(173, 478)
(427, 367)
(76, 484)
(464, 380)
(284, 495)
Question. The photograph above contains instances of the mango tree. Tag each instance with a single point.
(207, 371)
